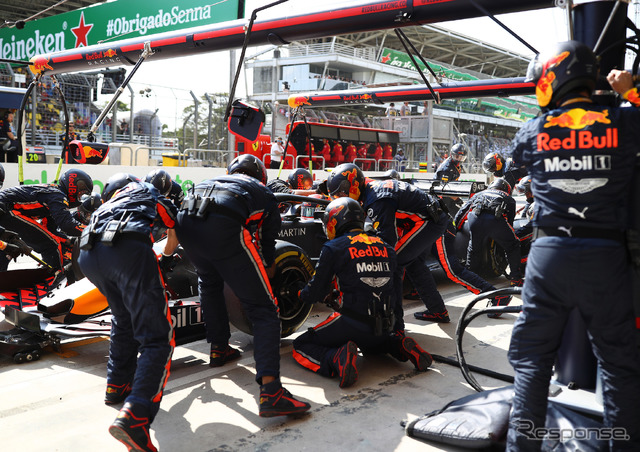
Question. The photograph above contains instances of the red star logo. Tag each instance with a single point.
(385, 58)
(81, 32)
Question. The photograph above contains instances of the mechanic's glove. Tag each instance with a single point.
(331, 300)
(168, 262)
(322, 188)
(10, 249)
(88, 205)
(13, 239)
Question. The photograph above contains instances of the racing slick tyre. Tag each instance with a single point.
(293, 269)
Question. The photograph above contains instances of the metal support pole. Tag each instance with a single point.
(231, 140)
(206, 96)
(196, 104)
(131, 115)
(151, 127)
(274, 91)
(114, 123)
(34, 106)
(184, 130)
(430, 131)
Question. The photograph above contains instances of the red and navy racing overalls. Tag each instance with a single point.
(411, 220)
(490, 213)
(448, 170)
(365, 267)
(228, 227)
(40, 215)
(581, 158)
(125, 270)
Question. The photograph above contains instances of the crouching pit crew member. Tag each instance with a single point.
(40, 214)
(578, 259)
(490, 214)
(228, 227)
(365, 267)
(406, 218)
(116, 255)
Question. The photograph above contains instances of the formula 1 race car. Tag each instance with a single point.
(40, 314)
(41, 310)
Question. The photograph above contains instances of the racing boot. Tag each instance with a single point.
(344, 363)
(277, 401)
(131, 428)
(220, 355)
(414, 353)
(517, 282)
(500, 300)
(439, 317)
(116, 394)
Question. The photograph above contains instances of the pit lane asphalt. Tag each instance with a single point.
(56, 403)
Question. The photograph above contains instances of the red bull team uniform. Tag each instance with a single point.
(410, 220)
(581, 158)
(40, 214)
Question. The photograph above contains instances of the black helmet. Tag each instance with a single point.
(342, 215)
(160, 179)
(500, 184)
(346, 180)
(524, 186)
(115, 183)
(300, 179)
(458, 152)
(493, 163)
(569, 66)
(250, 165)
(74, 183)
(1, 175)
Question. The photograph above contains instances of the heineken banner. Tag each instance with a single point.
(402, 60)
(115, 20)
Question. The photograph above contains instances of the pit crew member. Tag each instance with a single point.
(578, 259)
(405, 217)
(40, 214)
(449, 170)
(117, 256)
(490, 214)
(364, 267)
(228, 227)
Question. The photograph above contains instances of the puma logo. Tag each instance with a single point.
(567, 230)
(574, 211)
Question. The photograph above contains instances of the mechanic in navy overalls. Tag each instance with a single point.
(365, 268)
(449, 170)
(582, 157)
(40, 214)
(117, 256)
(405, 217)
(496, 164)
(444, 248)
(228, 226)
(490, 214)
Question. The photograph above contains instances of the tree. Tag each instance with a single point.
(218, 127)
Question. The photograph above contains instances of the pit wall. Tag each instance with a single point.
(46, 173)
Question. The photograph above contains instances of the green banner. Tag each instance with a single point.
(401, 59)
(116, 20)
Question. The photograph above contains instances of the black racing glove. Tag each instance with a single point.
(88, 205)
(331, 300)
(10, 249)
(11, 238)
(167, 263)
(322, 188)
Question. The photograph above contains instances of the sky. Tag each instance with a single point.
(211, 73)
